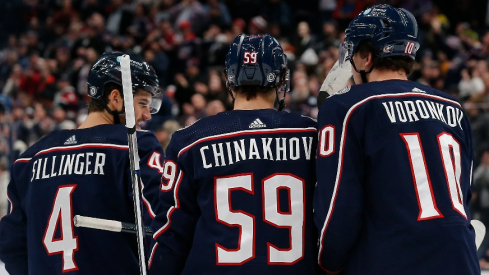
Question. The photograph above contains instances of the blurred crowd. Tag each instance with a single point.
(48, 46)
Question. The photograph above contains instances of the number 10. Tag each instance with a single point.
(451, 158)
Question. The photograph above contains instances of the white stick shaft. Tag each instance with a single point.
(480, 232)
(128, 93)
(129, 102)
(133, 156)
(108, 225)
(95, 223)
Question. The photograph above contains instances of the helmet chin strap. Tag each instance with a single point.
(115, 114)
(281, 101)
(285, 88)
(228, 87)
(363, 73)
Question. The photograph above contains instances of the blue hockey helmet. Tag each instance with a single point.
(393, 31)
(107, 69)
(255, 60)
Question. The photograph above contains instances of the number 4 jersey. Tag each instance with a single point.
(77, 172)
(237, 196)
(394, 173)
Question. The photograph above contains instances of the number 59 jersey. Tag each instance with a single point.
(77, 172)
(394, 173)
(237, 196)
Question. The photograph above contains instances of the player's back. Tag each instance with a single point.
(77, 172)
(417, 157)
(254, 174)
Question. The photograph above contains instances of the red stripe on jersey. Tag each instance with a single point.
(23, 160)
(83, 146)
(247, 132)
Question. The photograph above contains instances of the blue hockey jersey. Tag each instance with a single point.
(394, 164)
(237, 194)
(77, 172)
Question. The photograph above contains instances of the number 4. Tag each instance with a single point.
(450, 155)
(62, 215)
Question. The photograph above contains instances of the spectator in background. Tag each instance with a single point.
(327, 8)
(10, 58)
(185, 82)
(81, 69)
(198, 103)
(479, 120)
(191, 11)
(257, 25)
(90, 35)
(303, 40)
(160, 62)
(214, 107)
(164, 132)
(214, 46)
(217, 88)
(238, 27)
(189, 45)
(471, 84)
(346, 10)
(67, 98)
(12, 86)
(328, 37)
(301, 99)
(278, 12)
(141, 24)
(218, 13)
(120, 17)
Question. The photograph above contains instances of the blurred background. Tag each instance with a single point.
(48, 46)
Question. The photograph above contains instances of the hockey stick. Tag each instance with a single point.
(117, 226)
(480, 232)
(125, 61)
(336, 80)
(108, 225)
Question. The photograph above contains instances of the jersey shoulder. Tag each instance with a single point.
(380, 89)
(101, 134)
(147, 141)
(239, 121)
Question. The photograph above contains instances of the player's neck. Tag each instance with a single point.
(96, 118)
(259, 102)
(377, 75)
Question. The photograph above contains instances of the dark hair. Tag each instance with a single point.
(253, 90)
(98, 105)
(391, 63)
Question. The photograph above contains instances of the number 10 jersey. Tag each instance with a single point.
(394, 172)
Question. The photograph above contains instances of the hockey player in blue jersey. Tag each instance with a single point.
(84, 172)
(394, 162)
(237, 187)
